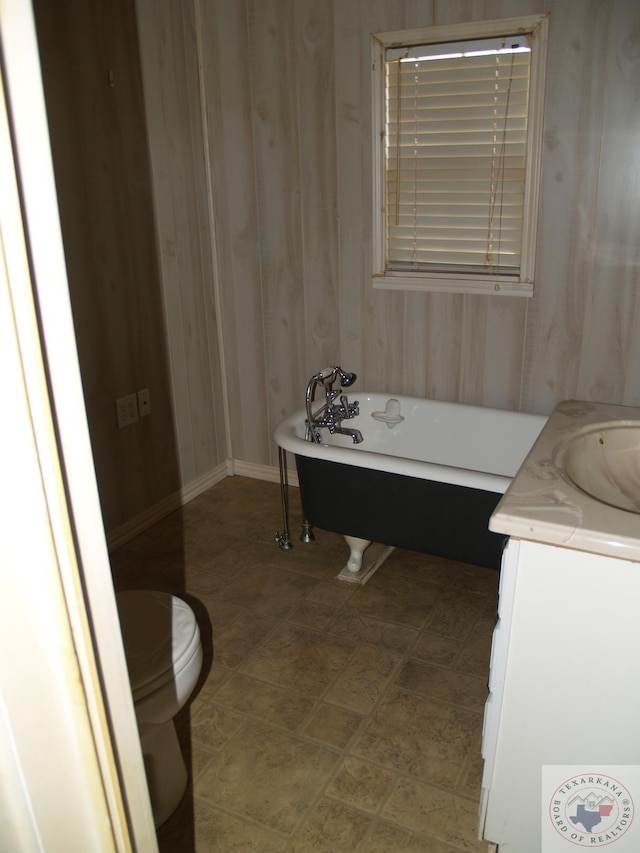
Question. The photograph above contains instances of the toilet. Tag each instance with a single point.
(164, 658)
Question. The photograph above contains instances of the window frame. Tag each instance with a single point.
(522, 284)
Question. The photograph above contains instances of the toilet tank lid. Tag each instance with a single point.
(160, 635)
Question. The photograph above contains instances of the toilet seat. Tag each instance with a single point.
(162, 646)
(160, 636)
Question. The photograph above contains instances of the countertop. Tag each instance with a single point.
(543, 505)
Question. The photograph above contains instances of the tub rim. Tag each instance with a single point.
(285, 437)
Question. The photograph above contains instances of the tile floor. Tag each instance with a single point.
(329, 716)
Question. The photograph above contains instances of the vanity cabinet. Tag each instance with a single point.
(564, 680)
(565, 664)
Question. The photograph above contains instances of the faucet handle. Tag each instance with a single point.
(352, 410)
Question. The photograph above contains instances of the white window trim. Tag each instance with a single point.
(460, 282)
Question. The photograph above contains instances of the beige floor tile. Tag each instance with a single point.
(299, 659)
(312, 615)
(411, 734)
(247, 521)
(205, 691)
(212, 726)
(474, 578)
(333, 827)
(268, 590)
(361, 684)
(312, 560)
(432, 648)
(328, 716)
(332, 593)
(457, 688)
(439, 570)
(240, 553)
(361, 784)
(205, 583)
(222, 613)
(135, 572)
(265, 702)
(194, 547)
(476, 649)
(470, 783)
(375, 632)
(448, 818)
(456, 612)
(419, 567)
(197, 758)
(217, 831)
(388, 838)
(335, 726)
(267, 775)
(232, 646)
(408, 603)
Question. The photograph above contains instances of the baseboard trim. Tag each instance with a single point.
(261, 472)
(232, 467)
(122, 534)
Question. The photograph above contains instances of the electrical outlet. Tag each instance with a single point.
(127, 410)
(144, 402)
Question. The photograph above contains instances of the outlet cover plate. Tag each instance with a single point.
(144, 403)
(127, 410)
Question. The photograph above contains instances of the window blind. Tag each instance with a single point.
(456, 132)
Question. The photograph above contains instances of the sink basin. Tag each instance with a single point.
(604, 462)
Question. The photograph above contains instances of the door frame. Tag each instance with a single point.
(69, 741)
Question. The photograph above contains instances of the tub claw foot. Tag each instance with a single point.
(365, 558)
(358, 547)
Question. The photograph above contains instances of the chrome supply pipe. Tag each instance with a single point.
(284, 539)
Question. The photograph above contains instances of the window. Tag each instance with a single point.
(457, 117)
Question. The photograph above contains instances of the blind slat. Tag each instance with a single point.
(450, 258)
(466, 225)
(461, 148)
(470, 243)
(445, 177)
(456, 135)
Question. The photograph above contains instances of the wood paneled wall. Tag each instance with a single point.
(288, 93)
(245, 265)
(95, 105)
(137, 237)
(184, 227)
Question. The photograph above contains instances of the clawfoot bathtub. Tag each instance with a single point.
(426, 476)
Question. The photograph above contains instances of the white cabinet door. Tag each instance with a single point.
(498, 668)
(564, 688)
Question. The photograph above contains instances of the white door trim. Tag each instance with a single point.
(72, 751)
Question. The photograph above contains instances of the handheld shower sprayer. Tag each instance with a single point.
(346, 379)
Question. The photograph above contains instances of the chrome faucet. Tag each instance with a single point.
(355, 434)
(330, 415)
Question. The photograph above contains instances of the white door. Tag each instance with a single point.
(71, 767)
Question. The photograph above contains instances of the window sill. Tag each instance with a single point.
(489, 285)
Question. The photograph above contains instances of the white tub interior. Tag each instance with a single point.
(446, 442)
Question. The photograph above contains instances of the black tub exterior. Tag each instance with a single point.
(421, 515)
